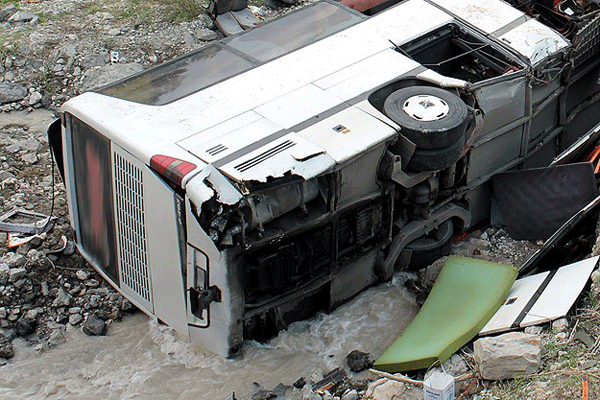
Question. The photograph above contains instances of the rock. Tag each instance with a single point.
(95, 60)
(57, 336)
(595, 287)
(308, 394)
(114, 32)
(280, 389)
(29, 158)
(69, 248)
(560, 325)
(128, 307)
(387, 389)
(350, 395)
(15, 274)
(94, 326)
(561, 337)
(7, 12)
(26, 326)
(6, 175)
(74, 319)
(206, 35)
(456, 366)
(188, 38)
(300, 383)
(6, 347)
(81, 275)
(22, 16)
(62, 299)
(34, 98)
(428, 276)
(3, 313)
(108, 74)
(534, 330)
(587, 364)
(44, 288)
(13, 260)
(508, 356)
(263, 395)
(359, 361)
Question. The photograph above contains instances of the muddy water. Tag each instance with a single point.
(142, 360)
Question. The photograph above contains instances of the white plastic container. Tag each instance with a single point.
(439, 386)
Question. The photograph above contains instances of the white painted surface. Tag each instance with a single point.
(488, 16)
(561, 293)
(303, 158)
(358, 134)
(522, 291)
(367, 74)
(235, 140)
(535, 41)
(297, 106)
(554, 302)
(218, 130)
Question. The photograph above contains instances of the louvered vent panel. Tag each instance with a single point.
(213, 151)
(129, 196)
(246, 165)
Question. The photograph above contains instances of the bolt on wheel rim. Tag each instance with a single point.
(426, 108)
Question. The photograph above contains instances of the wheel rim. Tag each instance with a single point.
(426, 108)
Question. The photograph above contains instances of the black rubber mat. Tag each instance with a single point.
(536, 202)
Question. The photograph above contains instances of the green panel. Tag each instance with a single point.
(465, 296)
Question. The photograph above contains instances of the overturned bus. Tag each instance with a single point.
(279, 172)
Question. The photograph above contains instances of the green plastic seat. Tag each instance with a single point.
(465, 296)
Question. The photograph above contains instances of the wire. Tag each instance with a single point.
(53, 188)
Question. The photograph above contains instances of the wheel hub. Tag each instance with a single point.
(426, 108)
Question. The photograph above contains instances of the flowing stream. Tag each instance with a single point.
(140, 359)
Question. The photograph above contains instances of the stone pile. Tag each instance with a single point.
(46, 289)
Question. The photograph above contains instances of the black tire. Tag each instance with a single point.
(431, 247)
(447, 126)
(435, 160)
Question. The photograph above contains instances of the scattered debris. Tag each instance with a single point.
(329, 381)
(26, 222)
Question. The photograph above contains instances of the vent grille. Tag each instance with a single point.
(246, 165)
(129, 195)
(586, 43)
(213, 151)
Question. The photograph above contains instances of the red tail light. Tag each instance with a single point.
(171, 168)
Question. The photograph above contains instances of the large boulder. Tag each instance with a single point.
(10, 92)
(508, 356)
(96, 78)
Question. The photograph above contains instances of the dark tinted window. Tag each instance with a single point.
(93, 192)
(294, 31)
(197, 70)
(181, 77)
